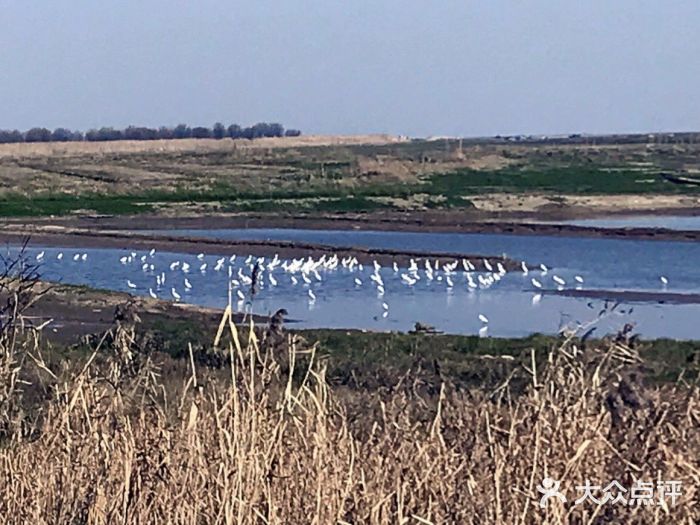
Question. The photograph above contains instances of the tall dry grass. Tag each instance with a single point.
(263, 439)
(44, 149)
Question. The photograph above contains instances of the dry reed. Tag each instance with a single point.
(264, 439)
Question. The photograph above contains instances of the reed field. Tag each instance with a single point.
(248, 430)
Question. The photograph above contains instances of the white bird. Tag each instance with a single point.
(185, 267)
(240, 295)
(188, 284)
(76, 257)
(449, 282)
(578, 279)
(152, 293)
(40, 256)
(312, 296)
(410, 281)
(385, 306)
(487, 265)
(306, 278)
(536, 283)
(175, 295)
(130, 284)
(543, 268)
(524, 267)
(483, 318)
(59, 256)
(358, 282)
(664, 280)
(84, 257)
(396, 267)
(294, 280)
(152, 252)
(271, 278)
(200, 256)
(536, 298)
(203, 268)
(122, 260)
(558, 280)
(484, 330)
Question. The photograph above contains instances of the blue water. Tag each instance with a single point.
(340, 303)
(606, 263)
(638, 221)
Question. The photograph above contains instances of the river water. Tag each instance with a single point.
(511, 304)
(637, 221)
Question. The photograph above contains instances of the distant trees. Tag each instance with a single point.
(181, 131)
(139, 133)
(218, 131)
(8, 137)
(66, 135)
(37, 135)
(200, 132)
(104, 135)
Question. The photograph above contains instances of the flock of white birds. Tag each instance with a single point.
(302, 272)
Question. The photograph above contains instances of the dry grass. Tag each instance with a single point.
(53, 149)
(263, 439)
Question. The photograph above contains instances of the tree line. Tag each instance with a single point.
(181, 131)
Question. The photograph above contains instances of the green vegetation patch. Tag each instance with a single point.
(61, 204)
(576, 180)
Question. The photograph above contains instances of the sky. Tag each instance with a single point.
(410, 67)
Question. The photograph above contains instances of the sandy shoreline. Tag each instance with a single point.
(628, 296)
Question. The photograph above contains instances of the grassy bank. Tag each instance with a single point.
(415, 175)
(375, 360)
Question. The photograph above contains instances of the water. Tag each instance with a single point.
(638, 221)
(340, 303)
(604, 263)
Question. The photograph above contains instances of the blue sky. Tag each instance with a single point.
(407, 67)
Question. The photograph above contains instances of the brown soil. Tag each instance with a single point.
(629, 296)
(75, 311)
(68, 229)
